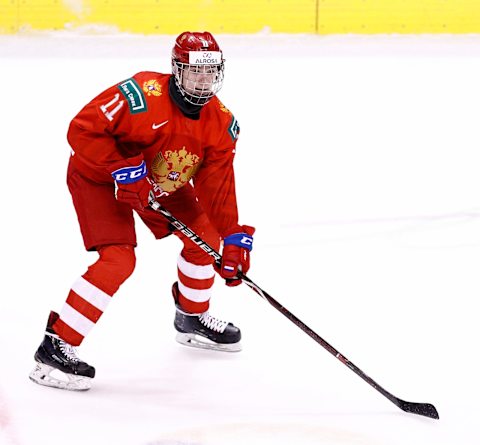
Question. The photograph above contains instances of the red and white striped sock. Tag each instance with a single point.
(84, 306)
(91, 293)
(194, 283)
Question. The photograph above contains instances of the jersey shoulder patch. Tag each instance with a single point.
(134, 96)
(234, 128)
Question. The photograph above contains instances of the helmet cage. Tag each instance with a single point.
(198, 83)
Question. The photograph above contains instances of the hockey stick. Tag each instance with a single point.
(422, 409)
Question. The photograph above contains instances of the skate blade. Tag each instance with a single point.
(47, 376)
(196, 341)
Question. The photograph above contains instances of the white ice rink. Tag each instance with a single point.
(359, 164)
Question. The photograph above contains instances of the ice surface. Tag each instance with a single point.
(358, 163)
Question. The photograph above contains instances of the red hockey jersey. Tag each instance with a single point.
(137, 116)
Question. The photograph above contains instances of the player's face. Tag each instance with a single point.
(199, 80)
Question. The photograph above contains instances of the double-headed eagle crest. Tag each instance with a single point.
(174, 169)
(152, 87)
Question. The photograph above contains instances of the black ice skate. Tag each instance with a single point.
(204, 331)
(58, 365)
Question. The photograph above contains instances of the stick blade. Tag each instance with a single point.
(422, 409)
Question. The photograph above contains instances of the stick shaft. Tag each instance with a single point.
(424, 409)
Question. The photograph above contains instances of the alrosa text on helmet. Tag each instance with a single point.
(204, 57)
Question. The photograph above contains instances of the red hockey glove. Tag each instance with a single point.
(132, 185)
(236, 255)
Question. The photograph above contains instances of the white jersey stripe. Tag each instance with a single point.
(76, 320)
(194, 271)
(91, 293)
(196, 295)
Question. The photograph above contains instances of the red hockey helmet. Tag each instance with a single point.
(197, 64)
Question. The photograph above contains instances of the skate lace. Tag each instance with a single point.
(213, 323)
(68, 351)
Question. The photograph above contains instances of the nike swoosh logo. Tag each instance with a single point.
(157, 126)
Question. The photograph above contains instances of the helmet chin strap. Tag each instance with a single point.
(188, 109)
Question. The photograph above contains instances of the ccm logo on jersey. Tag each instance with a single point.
(127, 175)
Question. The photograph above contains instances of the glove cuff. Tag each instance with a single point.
(243, 240)
(130, 174)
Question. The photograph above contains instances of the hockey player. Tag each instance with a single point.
(161, 135)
